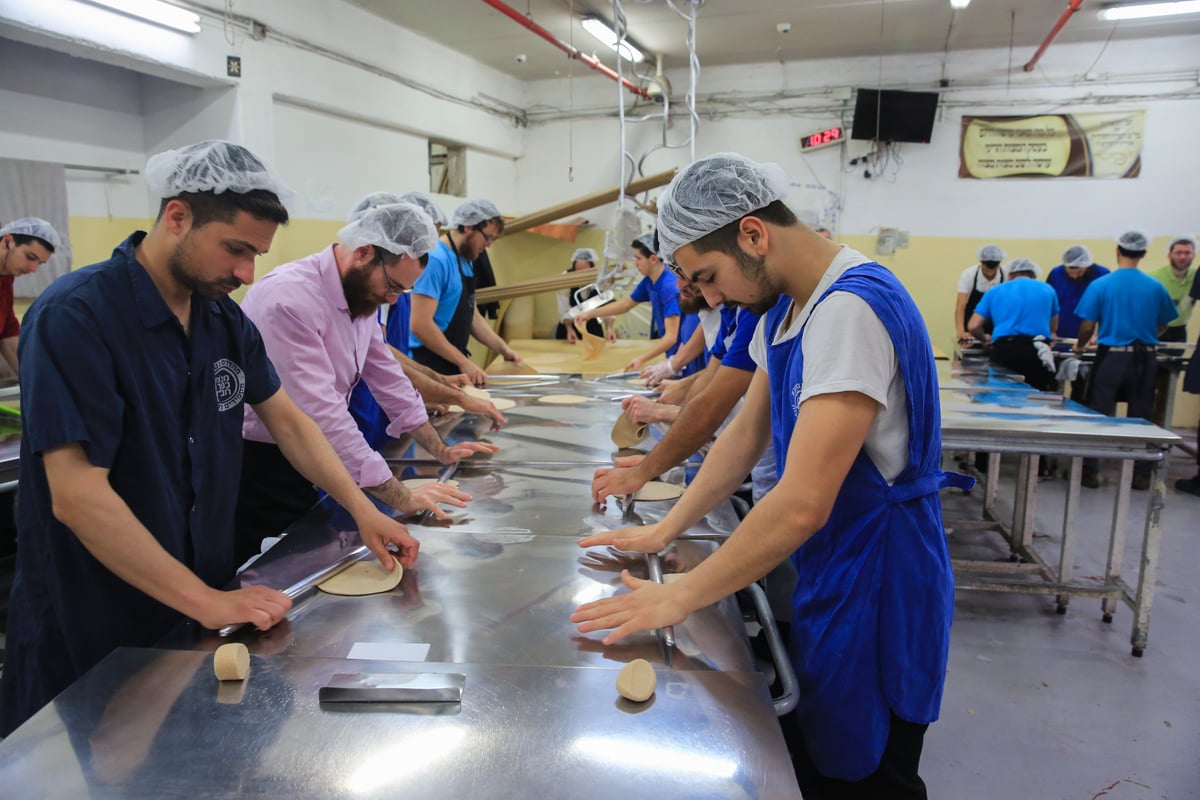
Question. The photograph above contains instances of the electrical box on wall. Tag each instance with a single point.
(890, 240)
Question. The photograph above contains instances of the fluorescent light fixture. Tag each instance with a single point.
(601, 30)
(155, 11)
(958, 5)
(1149, 10)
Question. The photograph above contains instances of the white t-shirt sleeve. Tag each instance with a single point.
(966, 281)
(758, 344)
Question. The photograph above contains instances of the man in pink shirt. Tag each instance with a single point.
(317, 320)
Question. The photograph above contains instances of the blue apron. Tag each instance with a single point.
(363, 406)
(873, 604)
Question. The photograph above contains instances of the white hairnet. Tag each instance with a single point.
(473, 212)
(401, 229)
(1077, 256)
(991, 252)
(646, 240)
(1181, 240)
(585, 254)
(373, 200)
(1134, 241)
(213, 166)
(1024, 265)
(431, 208)
(33, 226)
(711, 193)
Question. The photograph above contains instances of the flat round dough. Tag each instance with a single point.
(454, 408)
(627, 433)
(503, 403)
(658, 490)
(475, 391)
(562, 399)
(363, 578)
(413, 483)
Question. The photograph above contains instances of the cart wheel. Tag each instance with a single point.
(1137, 652)
(1061, 609)
(1107, 618)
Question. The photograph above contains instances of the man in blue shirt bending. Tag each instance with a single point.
(1023, 313)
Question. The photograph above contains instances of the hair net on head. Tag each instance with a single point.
(402, 229)
(373, 200)
(33, 226)
(428, 205)
(991, 252)
(646, 240)
(474, 212)
(1134, 241)
(1181, 240)
(214, 166)
(1019, 265)
(711, 193)
(585, 254)
(1076, 256)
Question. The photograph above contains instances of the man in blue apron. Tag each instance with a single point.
(136, 371)
(846, 391)
(444, 316)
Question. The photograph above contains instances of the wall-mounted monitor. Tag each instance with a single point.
(891, 115)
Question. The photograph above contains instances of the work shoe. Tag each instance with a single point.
(1188, 485)
(1141, 482)
(1090, 481)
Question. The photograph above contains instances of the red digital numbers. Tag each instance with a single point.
(827, 136)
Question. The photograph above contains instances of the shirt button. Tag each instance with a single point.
(191, 440)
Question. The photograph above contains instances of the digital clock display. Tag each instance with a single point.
(822, 138)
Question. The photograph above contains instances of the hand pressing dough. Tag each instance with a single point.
(231, 662)
(562, 399)
(658, 490)
(363, 578)
(475, 391)
(413, 483)
(636, 681)
(627, 433)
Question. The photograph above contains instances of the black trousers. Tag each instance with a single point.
(1127, 375)
(272, 496)
(593, 327)
(895, 779)
(1019, 354)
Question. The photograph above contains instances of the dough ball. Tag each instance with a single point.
(636, 681)
(231, 662)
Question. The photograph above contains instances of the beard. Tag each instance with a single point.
(356, 285)
(755, 269)
(181, 267)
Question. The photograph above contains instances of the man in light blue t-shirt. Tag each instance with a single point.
(1023, 313)
(1131, 310)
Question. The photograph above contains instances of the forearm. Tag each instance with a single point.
(429, 439)
(432, 390)
(8, 349)
(1087, 329)
(960, 308)
(482, 331)
(411, 367)
(694, 426)
(696, 384)
(975, 327)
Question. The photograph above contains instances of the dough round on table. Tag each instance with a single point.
(362, 578)
(562, 399)
(454, 408)
(413, 483)
(475, 391)
(658, 490)
(627, 433)
(231, 662)
(637, 382)
(636, 681)
(503, 403)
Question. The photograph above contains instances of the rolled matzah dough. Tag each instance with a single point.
(362, 578)
(503, 403)
(562, 399)
(658, 490)
(454, 409)
(627, 433)
(475, 391)
(413, 483)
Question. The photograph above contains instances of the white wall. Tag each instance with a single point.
(925, 196)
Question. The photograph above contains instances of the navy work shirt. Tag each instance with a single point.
(105, 363)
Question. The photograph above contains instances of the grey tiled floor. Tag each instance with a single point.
(1052, 707)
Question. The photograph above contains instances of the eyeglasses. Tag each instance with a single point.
(486, 238)
(676, 270)
(393, 288)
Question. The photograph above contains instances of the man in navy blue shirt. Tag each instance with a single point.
(1130, 309)
(1070, 280)
(135, 372)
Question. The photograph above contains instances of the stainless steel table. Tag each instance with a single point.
(157, 723)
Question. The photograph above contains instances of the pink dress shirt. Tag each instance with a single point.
(320, 353)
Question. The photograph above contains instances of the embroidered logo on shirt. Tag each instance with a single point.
(230, 383)
(796, 391)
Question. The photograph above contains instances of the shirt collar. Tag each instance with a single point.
(331, 279)
(151, 307)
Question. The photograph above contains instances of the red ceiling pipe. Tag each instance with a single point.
(1072, 7)
(572, 52)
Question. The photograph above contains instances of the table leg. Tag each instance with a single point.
(1152, 539)
(1116, 542)
(1066, 556)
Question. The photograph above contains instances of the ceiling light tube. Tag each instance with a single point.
(959, 5)
(155, 11)
(1149, 10)
(602, 31)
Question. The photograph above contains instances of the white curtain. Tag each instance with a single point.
(37, 189)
